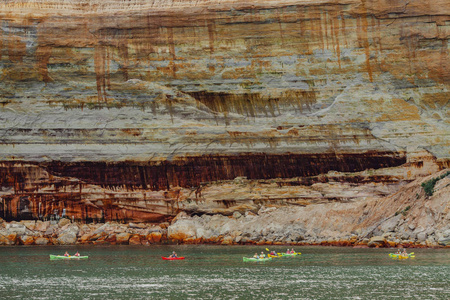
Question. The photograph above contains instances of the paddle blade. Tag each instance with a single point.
(267, 249)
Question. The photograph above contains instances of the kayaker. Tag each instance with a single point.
(77, 254)
(173, 255)
(399, 251)
(288, 251)
(66, 254)
(404, 252)
(273, 253)
(292, 251)
(256, 255)
(262, 255)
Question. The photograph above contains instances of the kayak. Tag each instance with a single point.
(256, 259)
(172, 258)
(270, 255)
(289, 254)
(401, 256)
(55, 257)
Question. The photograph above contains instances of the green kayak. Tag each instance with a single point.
(256, 259)
(55, 257)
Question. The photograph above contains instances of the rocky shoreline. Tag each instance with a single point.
(409, 217)
(203, 230)
(66, 232)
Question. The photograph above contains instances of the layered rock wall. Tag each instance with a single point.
(408, 218)
(82, 80)
(134, 110)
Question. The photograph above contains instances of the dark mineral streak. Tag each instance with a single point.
(192, 171)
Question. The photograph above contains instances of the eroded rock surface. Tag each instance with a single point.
(107, 81)
(135, 111)
(408, 217)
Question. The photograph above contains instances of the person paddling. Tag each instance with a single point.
(77, 254)
(173, 255)
(262, 255)
(66, 254)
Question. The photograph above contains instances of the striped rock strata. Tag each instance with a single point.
(388, 221)
(127, 110)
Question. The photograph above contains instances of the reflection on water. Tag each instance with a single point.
(126, 272)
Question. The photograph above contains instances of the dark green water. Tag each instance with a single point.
(218, 272)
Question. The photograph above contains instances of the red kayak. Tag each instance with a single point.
(172, 258)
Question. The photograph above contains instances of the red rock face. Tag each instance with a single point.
(29, 192)
(92, 191)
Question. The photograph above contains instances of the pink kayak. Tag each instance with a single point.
(172, 258)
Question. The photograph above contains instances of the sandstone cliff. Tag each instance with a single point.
(408, 218)
(134, 110)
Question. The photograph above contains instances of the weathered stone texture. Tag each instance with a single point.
(114, 83)
(120, 111)
(123, 238)
(407, 218)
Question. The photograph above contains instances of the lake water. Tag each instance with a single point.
(218, 272)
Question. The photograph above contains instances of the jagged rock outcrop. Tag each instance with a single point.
(408, 217)
(133, 111)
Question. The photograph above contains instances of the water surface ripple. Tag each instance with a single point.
(218, 272)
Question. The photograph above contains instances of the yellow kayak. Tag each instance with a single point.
(401, 256)
(289, 254)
